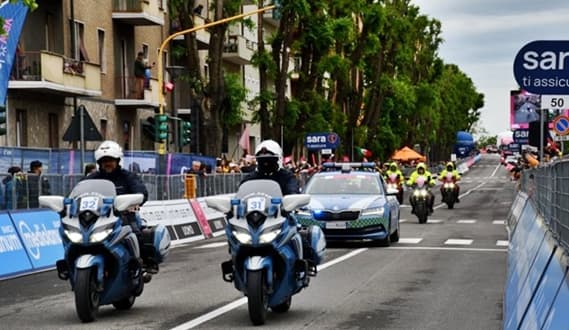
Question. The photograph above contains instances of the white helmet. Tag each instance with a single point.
(272, 162)
(108, 149)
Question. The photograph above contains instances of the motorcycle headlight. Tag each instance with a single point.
(374, 211)
(242, 237)
(99, 236)
(269, 236)
(424, 193)
(417, 193)
(74, 236)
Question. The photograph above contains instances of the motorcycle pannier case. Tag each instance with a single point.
(315, 237)
(156, 243)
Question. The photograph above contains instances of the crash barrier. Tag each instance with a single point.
(548, 188)
(536, 294)
(30, 241)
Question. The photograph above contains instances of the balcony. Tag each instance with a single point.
(272, 17)
(238, 50)
(202, 36)
(130, 95)
(50, 73)
(138, 12)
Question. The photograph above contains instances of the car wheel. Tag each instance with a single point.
(395, 236)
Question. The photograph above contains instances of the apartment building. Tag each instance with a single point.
(82, 52)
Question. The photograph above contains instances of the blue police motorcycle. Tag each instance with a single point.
(102, 253)
(271, 257)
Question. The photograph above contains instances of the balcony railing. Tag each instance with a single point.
(42, 70)
(237, 49)
(131, 91)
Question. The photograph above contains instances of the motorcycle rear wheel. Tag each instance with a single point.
(86, 295)
(257, 298)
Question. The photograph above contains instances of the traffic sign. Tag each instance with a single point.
(561, 125)
(561, 138)
(555, 101)
(315, 141)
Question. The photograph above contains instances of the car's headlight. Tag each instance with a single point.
(242, 237)
(74, 236)
(374, 211)
(100, 235)
(269, 236)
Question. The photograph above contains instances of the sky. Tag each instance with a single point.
(483, 37)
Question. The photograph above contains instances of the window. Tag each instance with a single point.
(145, 50)
(104, 129)
(50, 31)
(21, 128)
(101, 46)
(53, 130)
(80, 52)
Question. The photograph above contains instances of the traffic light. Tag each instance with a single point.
(161, 128)
(3, 128)
(185, 133)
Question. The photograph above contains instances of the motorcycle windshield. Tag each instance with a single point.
(420, 181)
(268, 187)
(104, 188)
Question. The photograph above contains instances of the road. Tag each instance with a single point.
(447, 274)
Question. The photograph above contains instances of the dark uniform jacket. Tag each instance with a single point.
(285, 178)
(125, 182)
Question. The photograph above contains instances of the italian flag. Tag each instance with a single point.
(364, 152)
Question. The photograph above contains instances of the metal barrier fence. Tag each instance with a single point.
(548, 188)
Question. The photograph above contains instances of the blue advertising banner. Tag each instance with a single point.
(13, 258)
(315, 141)
(14, 15)
(39, 231)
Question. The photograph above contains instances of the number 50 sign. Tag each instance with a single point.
(555, 101)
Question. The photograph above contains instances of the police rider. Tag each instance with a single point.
(421, 170)
(269, 156)
(455, 176)
(394, 169)
(108, 156)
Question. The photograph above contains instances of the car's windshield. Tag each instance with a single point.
(104, 188)
(344, 184)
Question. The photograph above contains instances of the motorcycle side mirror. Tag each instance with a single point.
(55, 203)
(220, 203)
(124, 202)
(291, 202)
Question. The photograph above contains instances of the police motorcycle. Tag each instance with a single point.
(101, 253)
(270, 260)
(448, 190)
(420, 198)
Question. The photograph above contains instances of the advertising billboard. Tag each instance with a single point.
(525, 108)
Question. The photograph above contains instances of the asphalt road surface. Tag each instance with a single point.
(447, 274)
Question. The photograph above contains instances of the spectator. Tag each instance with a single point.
(196, 168)
(140, 74)
(14, 188)
(37, 184)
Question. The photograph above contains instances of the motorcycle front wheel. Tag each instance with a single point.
(257, 297)
(86, 294)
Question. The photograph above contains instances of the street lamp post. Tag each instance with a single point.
(162, 148)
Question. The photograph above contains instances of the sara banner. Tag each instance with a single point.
(14, 15)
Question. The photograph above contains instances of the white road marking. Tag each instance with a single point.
(402, 220)
(502, 243)
(453, 241)
(466, 221)
(410, 240)
(496, 169)
(435, 221)
(242, 301)
(211, 245)
(499, 222)
(434, 248)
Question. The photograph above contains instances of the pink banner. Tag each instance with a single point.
(200, 216)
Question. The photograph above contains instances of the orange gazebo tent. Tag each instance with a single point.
(407, 154)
